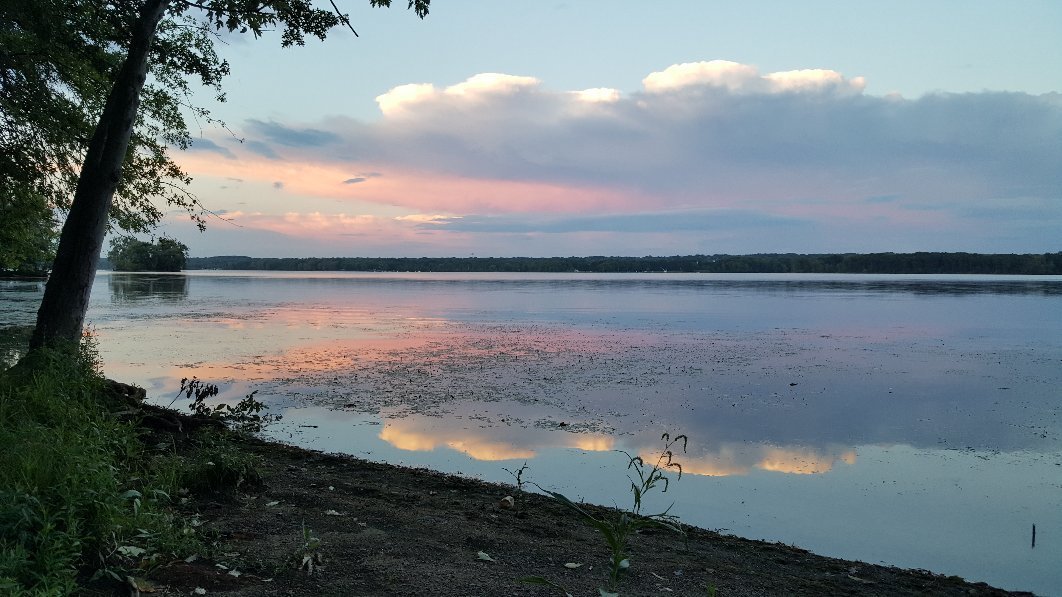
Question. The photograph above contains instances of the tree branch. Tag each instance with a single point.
(215, 9)
(344, 18)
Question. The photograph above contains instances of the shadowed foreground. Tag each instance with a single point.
(372, 529)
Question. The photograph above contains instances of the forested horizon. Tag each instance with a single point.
(826, 263)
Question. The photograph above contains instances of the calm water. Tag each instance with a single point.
(912, 421)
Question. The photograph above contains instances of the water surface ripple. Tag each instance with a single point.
(909, 420)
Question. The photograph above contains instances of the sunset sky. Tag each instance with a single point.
(615, 127)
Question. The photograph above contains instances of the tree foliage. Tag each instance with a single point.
(27, 235)
(141, 53)
(132, 255)
(59, 59)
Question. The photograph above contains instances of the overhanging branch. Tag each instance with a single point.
(344, 18)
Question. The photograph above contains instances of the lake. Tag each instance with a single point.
(905, 420)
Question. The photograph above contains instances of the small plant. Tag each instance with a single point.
(244, 417)
(308, 555)
(218, 466)
(617, 531)
(518, 474)
(656, 474)
(195, 386)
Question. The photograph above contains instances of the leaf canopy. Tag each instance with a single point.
(58, 62)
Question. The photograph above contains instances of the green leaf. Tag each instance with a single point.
(131, 551)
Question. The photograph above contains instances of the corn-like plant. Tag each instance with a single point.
(617, 531)
(308, 555)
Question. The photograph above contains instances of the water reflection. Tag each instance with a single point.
(162, 287)
(486, 443)
(490, 443)
(19, 300)
(14, 342)
(856, 372)
(930, 286)
(398, 434)
(898, 406)
(741, 459)
(769, 389)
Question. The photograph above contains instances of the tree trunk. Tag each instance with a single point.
(66, 296)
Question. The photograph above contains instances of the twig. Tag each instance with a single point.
(344, 18)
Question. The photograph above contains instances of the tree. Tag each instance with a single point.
(27, 237)
(58, 61)
(169, 40)
(132, 255)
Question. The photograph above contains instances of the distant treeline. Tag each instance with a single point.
(847, 263)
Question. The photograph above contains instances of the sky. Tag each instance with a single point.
(621, 127)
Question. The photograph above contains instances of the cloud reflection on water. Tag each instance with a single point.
(417, 433)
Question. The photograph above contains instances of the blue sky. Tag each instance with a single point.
(633, 128)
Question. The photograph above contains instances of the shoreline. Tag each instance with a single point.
(380, 529)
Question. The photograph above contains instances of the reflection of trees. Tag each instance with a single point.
(14, 341)
(142, 287)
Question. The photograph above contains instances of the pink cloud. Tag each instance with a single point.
(421, 191)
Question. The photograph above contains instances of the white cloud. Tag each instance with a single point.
(491, 84)
(395, 100)
(738, 78)
(481, 87)
(807, 144)
(716, 73)
(779, 136)
(426, 218)
(598, 95)
(814, 80)
(328, 222)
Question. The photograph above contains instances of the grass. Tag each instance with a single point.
(217, 466)
(81, 497)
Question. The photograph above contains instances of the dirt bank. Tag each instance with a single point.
(372, 529)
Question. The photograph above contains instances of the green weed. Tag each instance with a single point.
(217, 465)
(617, 530)
(244, 417)
(308, 555)
(76, 490)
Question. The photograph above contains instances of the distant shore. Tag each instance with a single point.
(791, 263)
